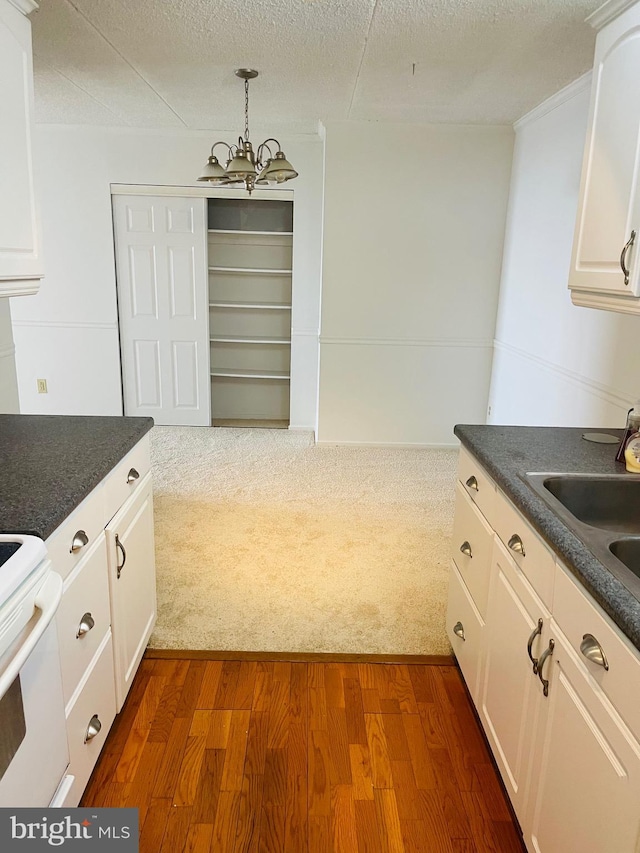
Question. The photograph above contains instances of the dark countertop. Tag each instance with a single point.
(509, 452)
(50, 463)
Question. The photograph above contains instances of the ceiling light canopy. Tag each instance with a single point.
(267, 165)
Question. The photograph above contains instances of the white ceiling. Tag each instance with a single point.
(169, 63)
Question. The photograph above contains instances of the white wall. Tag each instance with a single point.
(68, 333)
(8, 381)
(411, 272)
(555, 363)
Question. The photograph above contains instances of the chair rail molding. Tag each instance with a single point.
(608, 393)
(25, 6)
(452, 343)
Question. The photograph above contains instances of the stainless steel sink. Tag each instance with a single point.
(628, 552)
(603, 512)
(610, 503)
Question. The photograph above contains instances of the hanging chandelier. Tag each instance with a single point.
(244, 166)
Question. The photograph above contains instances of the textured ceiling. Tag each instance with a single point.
(169, 63)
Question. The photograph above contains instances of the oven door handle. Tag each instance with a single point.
(47, 601)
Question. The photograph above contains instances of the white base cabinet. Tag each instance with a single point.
(565, 731)
(517, 624)
(586, 768)
(132, 584)
(104, 621)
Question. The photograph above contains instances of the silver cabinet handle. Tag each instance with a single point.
(543, 657)
(536, 631)
(120, 566)
(623, 257)
(86, 624)
(465, 548)
(79, 540)
(472, 483)
(515, 543)
(93, 728)
(132, 476)
(458, 630)
(593, 651)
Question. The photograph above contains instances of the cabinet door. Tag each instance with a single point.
(608, 210)
(511, 692)
(163, 308)
(132, 584)
(587, 768)
(19, 243)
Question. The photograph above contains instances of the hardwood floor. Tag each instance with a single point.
(246, 755)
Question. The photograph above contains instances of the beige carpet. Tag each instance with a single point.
(266, 542)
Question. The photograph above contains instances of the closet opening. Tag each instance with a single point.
(249, 244)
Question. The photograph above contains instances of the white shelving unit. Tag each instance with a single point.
(250, 271)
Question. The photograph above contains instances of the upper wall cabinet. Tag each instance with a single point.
(605, 264)
(20, 256)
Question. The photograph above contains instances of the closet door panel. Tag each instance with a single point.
(163, 307)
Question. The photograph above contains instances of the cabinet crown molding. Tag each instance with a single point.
(25, 6)
(608, 11)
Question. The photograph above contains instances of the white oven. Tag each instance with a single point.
(33, 741)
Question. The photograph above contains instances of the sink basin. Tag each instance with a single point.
(603, 512)
(628, 552)
(609, 503)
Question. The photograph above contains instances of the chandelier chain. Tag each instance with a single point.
(246, 110)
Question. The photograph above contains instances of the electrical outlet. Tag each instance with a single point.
(42, 386)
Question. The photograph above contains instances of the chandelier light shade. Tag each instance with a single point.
(265, 166)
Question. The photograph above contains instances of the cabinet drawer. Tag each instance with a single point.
(462, 613)
(477, 484)
(86, 523)
(577, 615)
(126, 477)
(472, 547)
(526, 548)
(97, 697)
(86, 595)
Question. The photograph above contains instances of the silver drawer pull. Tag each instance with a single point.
(86, 624)
(536, 631)
(132, 476)
(472, 483)
(465, 548)
(93, 728)
(623, 257)
(458, 630)
(543, 657)
(79, 540)
(593, 651)
(515, 543)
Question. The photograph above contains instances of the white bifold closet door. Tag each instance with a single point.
(161, 261)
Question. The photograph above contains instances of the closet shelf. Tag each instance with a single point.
(248, 271)
(255, 233)
(271, 306)
(242, 373)
(256, 339)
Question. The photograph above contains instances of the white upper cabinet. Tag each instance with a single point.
(605, 263)
(20, 256)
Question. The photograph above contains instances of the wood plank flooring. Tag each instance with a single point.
(227, 756)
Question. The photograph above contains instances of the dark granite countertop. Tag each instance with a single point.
(509, 452)
(50, 463)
